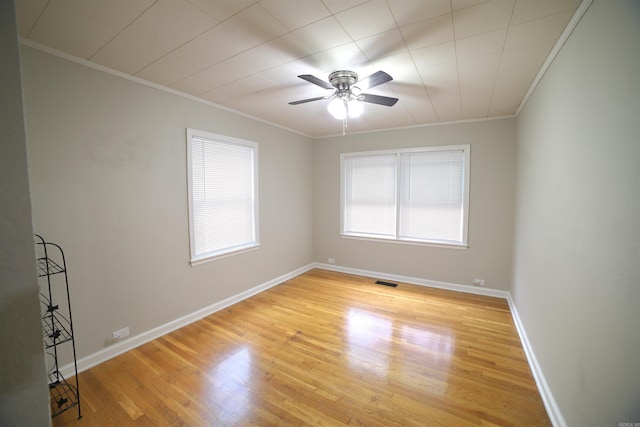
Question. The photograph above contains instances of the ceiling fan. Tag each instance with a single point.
(347, 95)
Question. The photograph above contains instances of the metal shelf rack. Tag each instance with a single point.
(57, 324)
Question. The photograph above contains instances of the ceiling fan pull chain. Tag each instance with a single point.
(345, 123)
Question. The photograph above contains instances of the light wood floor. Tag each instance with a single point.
(325, 349)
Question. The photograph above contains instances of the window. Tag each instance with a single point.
(416, 195)
(223, 203)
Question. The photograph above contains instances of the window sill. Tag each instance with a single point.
(458, 246)
(213, 257)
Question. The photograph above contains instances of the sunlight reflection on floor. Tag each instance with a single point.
(370, 338)
(231, 380)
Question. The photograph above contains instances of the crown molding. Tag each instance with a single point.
(571, 25)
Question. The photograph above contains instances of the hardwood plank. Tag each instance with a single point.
(325, 348)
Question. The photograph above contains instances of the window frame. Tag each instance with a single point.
(463, 244)
(194, 258)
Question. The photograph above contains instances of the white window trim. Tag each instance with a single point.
(466, 148)
(210, 256)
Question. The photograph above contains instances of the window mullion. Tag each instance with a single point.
(398, 194)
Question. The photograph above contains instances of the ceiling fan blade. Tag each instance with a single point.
(302, 101)
(378, 99)
(373, 80)
(316, 81)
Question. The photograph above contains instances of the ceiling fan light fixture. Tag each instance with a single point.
(340, 108)
(355, 108)
(337, 109)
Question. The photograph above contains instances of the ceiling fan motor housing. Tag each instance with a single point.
(343, 79)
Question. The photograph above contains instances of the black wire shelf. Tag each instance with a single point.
(57, 330)
(47, 267)
(63, 395)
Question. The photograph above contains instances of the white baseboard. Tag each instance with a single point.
(110, 352)
(545, 392)
(129, 344)
(416, 281)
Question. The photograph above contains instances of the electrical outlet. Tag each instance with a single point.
(331, 261)
(120, 333)
(478, 282)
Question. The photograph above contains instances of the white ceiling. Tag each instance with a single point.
(450, 59)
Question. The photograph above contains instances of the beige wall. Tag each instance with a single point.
(492, 186)
(108, 171)
(577, 240)
(24, 397)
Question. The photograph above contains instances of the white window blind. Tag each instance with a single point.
(370, 195)
(222, 193)
(431, 205)
(416, 195)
